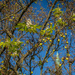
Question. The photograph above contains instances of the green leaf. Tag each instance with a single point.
(51, 26)
(21, 29)
(38, 27)
(25, 28)
(57, 12)
(42, 32)
(40, 63)
(51, 31)
(20, 25)
(48, 35)
(4, 45)
(1, 43)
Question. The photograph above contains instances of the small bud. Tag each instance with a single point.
(65, 47)
(40, 44)
(63, 36)
(2, 61)
(53, 50)
(58, 40)
(67, 42)
(31, 72)
(59, 64)
(65, 33)
(50, 40)
(66, 58)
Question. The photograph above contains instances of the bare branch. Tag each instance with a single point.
(13, 29)
(49, 15)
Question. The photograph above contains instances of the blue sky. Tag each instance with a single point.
(63, 53)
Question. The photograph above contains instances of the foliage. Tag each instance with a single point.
(35, 35)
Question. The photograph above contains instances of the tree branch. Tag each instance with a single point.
(3, 6)
(49, 15)
(13, 29)
(1, 51)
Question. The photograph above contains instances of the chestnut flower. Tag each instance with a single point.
(28, 23)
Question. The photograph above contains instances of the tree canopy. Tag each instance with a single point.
(37, 37)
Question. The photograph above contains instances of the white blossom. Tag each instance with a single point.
(73, 14)
(47, 27)
(15, 53)
(60, 18)
(28, 23)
